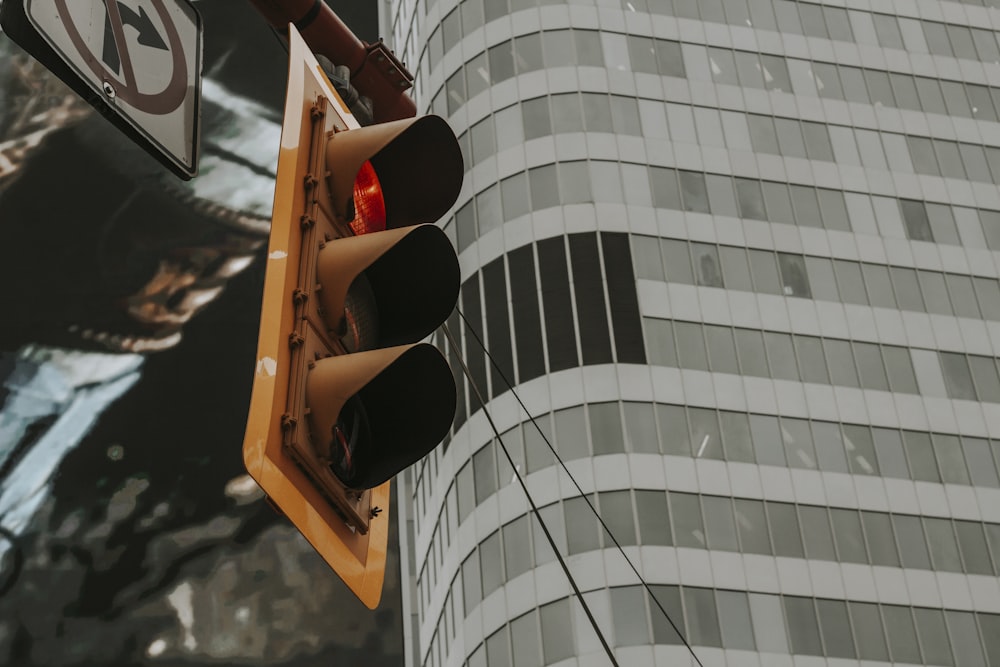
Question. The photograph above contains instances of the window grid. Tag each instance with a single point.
(669, 188)
(775, 623)
(720, 65)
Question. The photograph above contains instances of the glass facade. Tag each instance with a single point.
(740, 260)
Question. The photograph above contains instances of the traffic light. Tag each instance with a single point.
(344, 394)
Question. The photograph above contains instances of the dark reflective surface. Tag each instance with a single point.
(129, 531)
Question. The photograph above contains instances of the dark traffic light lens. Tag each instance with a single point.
(360, 317)
(349, 433)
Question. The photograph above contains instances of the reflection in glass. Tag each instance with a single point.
(706, 263)
(793, 275)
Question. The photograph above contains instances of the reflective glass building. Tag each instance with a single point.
(740, 260)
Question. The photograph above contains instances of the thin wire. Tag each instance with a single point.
(531, 501)
(562, 464)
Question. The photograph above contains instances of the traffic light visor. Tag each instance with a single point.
(413, 275)
(417, 163)
(381, 410)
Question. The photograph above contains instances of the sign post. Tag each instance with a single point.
(138, 62)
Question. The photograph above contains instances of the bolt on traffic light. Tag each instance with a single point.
(344, 394)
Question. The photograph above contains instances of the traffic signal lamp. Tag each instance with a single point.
(344, 394)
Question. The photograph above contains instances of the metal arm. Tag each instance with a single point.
(375, 71)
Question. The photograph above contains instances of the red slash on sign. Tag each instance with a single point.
(162, 102)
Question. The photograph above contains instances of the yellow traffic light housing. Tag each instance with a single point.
(344, 394)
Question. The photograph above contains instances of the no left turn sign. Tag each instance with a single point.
(140, 58)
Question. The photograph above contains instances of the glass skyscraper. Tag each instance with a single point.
(740, 260)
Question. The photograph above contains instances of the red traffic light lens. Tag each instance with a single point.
(369, 206)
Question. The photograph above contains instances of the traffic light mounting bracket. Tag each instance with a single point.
(310, 341)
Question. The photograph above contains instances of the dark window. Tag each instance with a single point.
(455, 326)
(706, 264)
(527, 323)
(498, 326)
(588, 284)
(475, 357)
(625, 317)
(557, 305)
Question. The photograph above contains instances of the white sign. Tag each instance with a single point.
(143, 56)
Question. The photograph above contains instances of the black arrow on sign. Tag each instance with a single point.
(148, 36)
